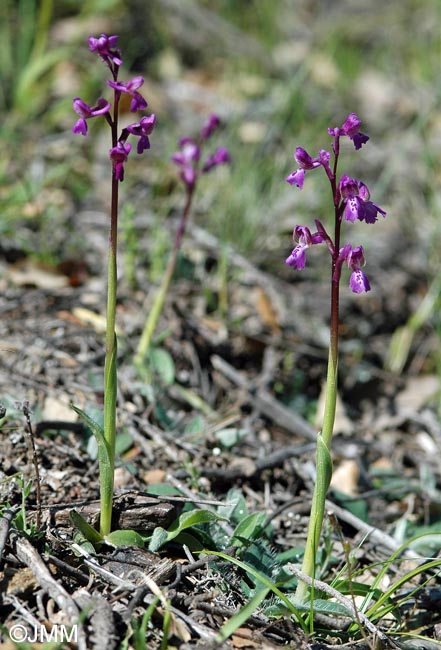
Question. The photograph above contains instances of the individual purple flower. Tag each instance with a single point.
(220, 157)
(304, 239)
(189, 152)
(104, 46)
(118, 156)
(210, 126)
(354, 258)
(138, 102)
(356, 196)
(305, 162)
(187, 158)
(86, 112)
(142, 129)
(351, 128)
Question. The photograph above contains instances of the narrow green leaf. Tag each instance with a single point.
(163, 364)
(97, 431)
(89, 532)
(243, 615)
(293, 608)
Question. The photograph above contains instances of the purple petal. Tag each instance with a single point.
(353, 209)
(304, 160)
(297, 259)
(351, 125)
(296, 178)
(210, 126)
(359, 282)
(80, 126)
(359, 139)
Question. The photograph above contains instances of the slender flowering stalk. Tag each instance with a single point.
(351, 202)
(188, 160)
(105, 48)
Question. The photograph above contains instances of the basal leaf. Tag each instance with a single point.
(89, 532)
(158, 539)
(125, 538)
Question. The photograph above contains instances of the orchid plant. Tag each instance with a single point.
(351, 202)
(188, 161)
(105, 47)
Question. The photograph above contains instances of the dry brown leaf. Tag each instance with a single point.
(345, 477)
(267, 311)
(88, 317)
(55, 409)
(154, 476)
(244, 638)
(417, 391)
(28, 273)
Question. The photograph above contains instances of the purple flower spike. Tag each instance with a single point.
(302, 235)
(220, 157)
(210, 126)
(86, 112)
(118, 156)
(356, 199)
(143, 129)
(104, 46)
(131, 87)
(351, 128)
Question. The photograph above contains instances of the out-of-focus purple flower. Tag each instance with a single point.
(220, 157)
(189, 152)
(118, 156)
(354, 258)
(104, 46)
(304, 239)
(356, 199)
(210, 126)
(142, 129)
(305, 162)
(351, 128)
(86, 112)
(138, 102)
(187, 159)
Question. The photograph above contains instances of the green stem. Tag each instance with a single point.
(324, 440)
(110, 375)
(107, 461)
(158, 303)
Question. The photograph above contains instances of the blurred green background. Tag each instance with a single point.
(278, 72)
